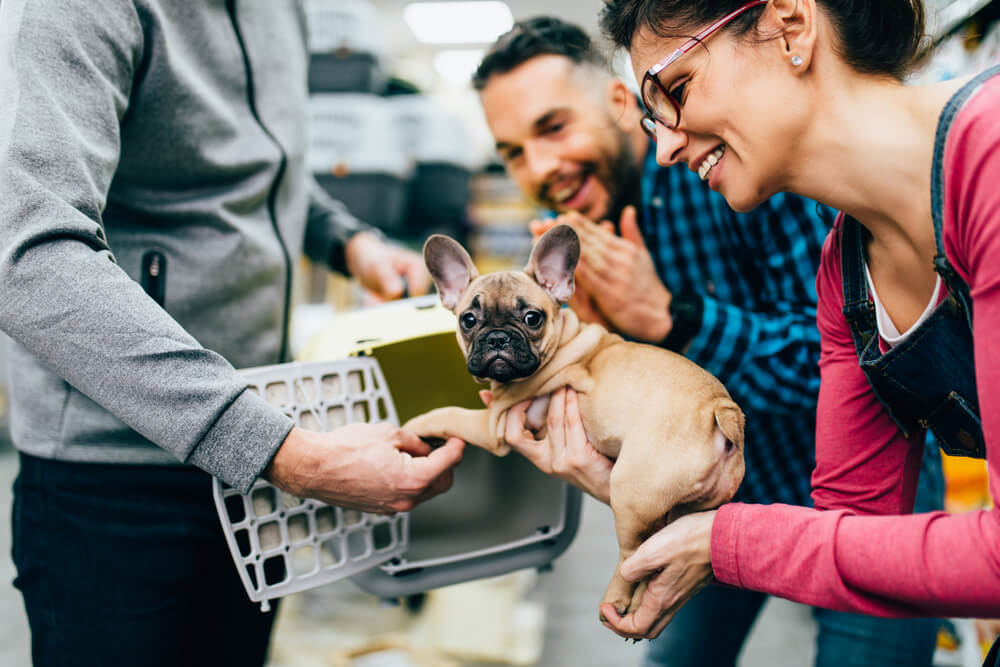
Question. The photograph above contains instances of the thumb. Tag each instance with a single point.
(443, 458)
(412, 444)
(640, 564)
(629, 227)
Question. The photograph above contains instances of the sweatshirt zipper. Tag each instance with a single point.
(272, 195)
(154, 275)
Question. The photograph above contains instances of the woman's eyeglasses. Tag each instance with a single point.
(664, 106)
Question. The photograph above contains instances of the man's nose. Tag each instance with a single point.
(541, 162)
(669, 144)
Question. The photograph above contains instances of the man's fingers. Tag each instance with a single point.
(441, 459)
(440, 484)
(629, 227)
(388, 283)
(587, 274)
(412, 444)
(418, 280)
(539, 227)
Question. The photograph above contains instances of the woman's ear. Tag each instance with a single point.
(795, 21)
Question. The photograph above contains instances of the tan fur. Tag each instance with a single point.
(652, 411)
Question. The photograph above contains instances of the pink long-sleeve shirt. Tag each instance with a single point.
(861, 550)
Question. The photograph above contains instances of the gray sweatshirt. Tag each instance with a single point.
(153, 196)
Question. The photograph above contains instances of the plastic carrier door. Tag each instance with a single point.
(282, 544)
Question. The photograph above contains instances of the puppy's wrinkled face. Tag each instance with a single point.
(508, 322)
(505, 326)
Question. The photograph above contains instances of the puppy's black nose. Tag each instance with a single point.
(497, 339)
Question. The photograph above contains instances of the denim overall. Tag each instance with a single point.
(929, 379)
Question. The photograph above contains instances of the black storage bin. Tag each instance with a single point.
(378, 199)
(345, 72)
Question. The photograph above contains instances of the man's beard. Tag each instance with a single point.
(618, 173)
(626, 180)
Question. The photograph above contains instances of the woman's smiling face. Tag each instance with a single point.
(742, 109)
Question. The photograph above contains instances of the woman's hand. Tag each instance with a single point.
(680, 557)
(565, 451)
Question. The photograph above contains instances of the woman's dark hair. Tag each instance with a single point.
(538, 36)
(875, 36)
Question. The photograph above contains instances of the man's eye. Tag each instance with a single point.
(511, 154)
(533, 319)
(677, 92)
(554, 128)
(468, 321)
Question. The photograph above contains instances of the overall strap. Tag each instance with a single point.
(858, 309)
(955, 284)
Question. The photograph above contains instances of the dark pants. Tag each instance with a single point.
(127, 565)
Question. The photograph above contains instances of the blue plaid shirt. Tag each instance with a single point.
(757, 275)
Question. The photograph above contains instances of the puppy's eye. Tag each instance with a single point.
(468, 321)
(533, 319)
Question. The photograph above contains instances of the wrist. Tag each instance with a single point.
(283, 470)
(660, 321)
(686, 310)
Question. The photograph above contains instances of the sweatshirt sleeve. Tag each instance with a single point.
(66, 72)
(328, 229)
(927, 564)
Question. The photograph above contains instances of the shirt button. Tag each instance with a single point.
(710, 286)
(657, 202)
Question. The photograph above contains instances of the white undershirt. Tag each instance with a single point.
(886, 329)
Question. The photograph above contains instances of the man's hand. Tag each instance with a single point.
(565, 451)
(619, 274)
(376, 468)
(679, 558)
(382, 268)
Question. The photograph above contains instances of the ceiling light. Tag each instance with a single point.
(456, 66)
(479, 22)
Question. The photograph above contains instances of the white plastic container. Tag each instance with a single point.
(431, 132)
(439, 146)
(343, 25)
(501, 514)
(354, 154)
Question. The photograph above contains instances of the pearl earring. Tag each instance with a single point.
(796, 61)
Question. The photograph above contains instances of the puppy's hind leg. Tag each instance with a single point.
(640, 500)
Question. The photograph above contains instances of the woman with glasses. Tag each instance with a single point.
(806, 96)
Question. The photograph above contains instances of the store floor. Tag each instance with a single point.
(572, 636)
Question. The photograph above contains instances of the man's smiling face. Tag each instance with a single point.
(558, 136)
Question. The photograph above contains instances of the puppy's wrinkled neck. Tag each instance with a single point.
(577, 340)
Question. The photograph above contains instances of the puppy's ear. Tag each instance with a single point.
(553, 262)
(450, 267)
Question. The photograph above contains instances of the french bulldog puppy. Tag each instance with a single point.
(671, 428)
